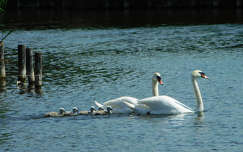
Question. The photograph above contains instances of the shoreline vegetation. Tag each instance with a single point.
(109, 13)
(81, 5)
(3, 4)
(4, 34)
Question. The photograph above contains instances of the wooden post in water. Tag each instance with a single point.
(38, 70)
(2, 64)
(21, 63)
(29, 67)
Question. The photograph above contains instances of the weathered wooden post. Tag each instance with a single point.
(21, 63)
(29, 67)
(2, 68)
(38, 70)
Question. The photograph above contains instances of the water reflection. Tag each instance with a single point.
(199, 118)
(4, 137)
(31, 90)
(175, 120)
(4, 133)
(199, 124)
(2, 89)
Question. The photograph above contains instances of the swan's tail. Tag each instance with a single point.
(131, 106)
(99, 105)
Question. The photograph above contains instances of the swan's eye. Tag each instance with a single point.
(202, 73)
(158, 78)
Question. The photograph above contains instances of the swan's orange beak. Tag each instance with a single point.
(161, 82)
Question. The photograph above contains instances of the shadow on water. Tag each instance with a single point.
(29, 19)
(76, 117)
(30, 90)
(199, 117)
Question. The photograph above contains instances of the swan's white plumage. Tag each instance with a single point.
(124, 104)
(156, 104)
(168, 105)
(161, 105)
(118, 104)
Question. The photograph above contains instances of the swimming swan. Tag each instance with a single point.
(166, 104)
(61, 113)
(118, 104)
(104, 112)
(72, 113)
(91, 111)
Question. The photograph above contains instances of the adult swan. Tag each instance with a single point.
(119, 105)
(168, 105)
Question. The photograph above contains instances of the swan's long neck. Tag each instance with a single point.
(155, 88)
(200, 106)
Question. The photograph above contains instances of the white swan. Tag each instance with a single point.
(119, 104)
(166, 104)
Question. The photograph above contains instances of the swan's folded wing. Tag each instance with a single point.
(121, 100)
(138, 108)
(98, 104)
(157, 105)
(181, 104)
(131, 106)
(164, 105)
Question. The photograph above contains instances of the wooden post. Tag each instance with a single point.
(38, 70)
(2, 64)
(21, 63)
(29, 67)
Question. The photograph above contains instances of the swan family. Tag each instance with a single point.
(120, 105)
(76, 112)
(156, 104)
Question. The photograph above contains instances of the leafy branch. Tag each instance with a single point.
(3, 4)
(5, 36)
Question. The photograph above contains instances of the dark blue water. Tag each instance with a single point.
(82, 65)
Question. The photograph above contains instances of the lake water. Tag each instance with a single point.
(87, 61)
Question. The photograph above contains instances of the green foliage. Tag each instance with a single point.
(3, 4)
(4, 35)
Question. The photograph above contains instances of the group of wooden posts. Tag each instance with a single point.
(26, 69)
